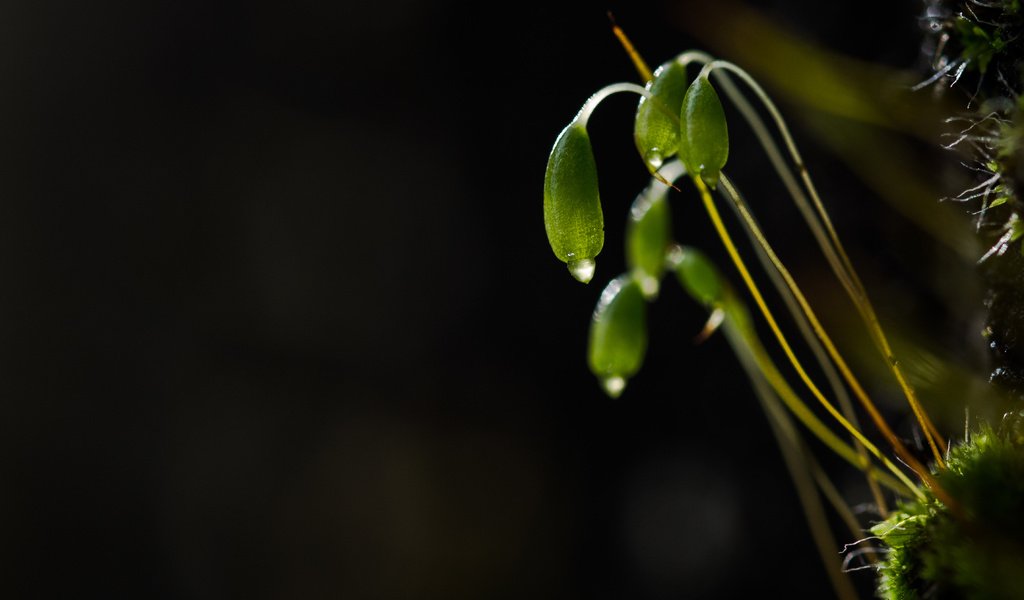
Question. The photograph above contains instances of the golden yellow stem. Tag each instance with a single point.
(860, 298)
(785, 289)
(734, 255)
(836, 255)
(816, 325)
(798, 463)
(638, 61)
(901, 451)
(795, 405)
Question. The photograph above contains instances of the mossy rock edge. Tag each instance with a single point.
(976, 554)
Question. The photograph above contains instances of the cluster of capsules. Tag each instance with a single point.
(680, 128)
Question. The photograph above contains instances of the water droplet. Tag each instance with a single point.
(613, 385)
(674, 256)
(654, 158)
(583, 270)
(649, 286)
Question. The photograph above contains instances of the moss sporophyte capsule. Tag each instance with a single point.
(572, 204)
(703, 282)
(698, 275)
(687, 121)
(647, 237)
(704, 143)
(656, 129)
(618, 334)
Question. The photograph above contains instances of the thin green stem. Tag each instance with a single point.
(771, 374)
(806, 330)
(858, 390)
(825, 233)
(599, 96)
(734, 255)
(793, 454)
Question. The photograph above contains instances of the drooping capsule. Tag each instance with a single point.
(698, 276)
(618, 334)
(572, 206)
(704, 140)
(704, 283)
(656, 129)
(647, 237)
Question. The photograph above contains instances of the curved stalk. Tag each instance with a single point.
(599, 96)
(672, 171)
(800, 471)
(858, 390)
(807, 331)
(825, 233)
(734, 255)
(792, 401)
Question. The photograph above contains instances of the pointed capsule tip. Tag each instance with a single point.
(583, 270)
(613, 385)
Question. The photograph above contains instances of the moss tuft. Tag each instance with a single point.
(977, 554)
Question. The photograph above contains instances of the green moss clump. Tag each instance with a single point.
(976, 554)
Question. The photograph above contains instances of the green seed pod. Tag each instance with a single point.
(698, 276)
(656, 130)
(647, 237)
(572, 205)
(704, 145)
(618, 334)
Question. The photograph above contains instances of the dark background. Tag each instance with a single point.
(279, 318)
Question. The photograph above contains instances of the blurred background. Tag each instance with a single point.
(279, 318)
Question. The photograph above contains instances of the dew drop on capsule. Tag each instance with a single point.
(649, 286)
(654, 159)
(613, 385)
(582, 270)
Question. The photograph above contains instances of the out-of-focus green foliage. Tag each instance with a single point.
(618, 334)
